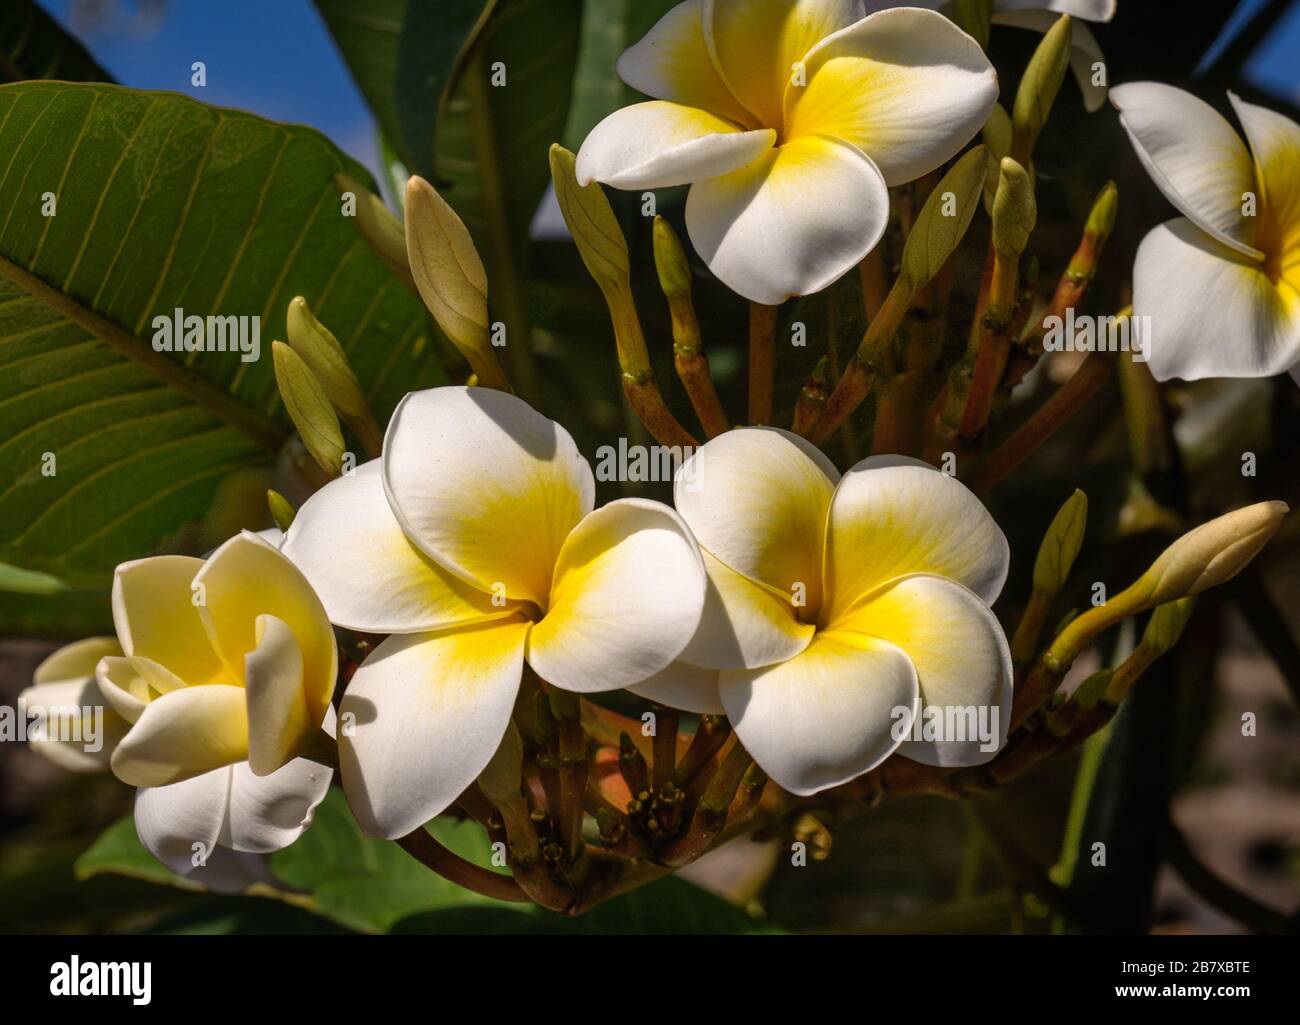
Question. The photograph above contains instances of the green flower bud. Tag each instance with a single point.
(380, 227)
(1014, 211)
(1212, 554)
(1039, 86)
(671, 262)
(321, 351)
(309, 408)
(592, 223)
(1061, 544)
(943, 220)
(282, 512)
(1167, 624)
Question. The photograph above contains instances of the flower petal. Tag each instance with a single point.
(422, 717)
(85, 729)
(129, 683)
(278, 718)
(628, 592)
(756, 499)
(683, 686)
(76, 660)
(826, 716)
(228, 810)
(756, 44)
(155, 615)
(658, 144)
(744, 625)
(1089, 10)
(369, 576)
(893, 516)
(1275, 144)
(184, 734)
(1213, 312)
(485, 486)
(1193, 155)
(1085, 51)
(246, 578)
(962, 660)
(905, 86)
(672, 62)
(791, 222)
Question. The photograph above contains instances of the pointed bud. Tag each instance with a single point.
(450, 278)
(1061, 544)
(1014, 211)
(943, 220)
(321, 351)
(309, 408)
(671, 262)
(1210, 555)
(592, 223)
(380, 227)
(282, 511)
(1101, 219)
(1039, 86)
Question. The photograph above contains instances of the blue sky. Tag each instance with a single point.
(275, 58)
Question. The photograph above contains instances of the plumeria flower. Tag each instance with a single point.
(790, 118)
(63, 689)
(839, 608)
(1039, 16)
(227, 669)
(1221, 284)
(474, 543)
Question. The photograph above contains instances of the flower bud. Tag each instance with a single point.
(1061, 544)
(975, 18)
(321, 351)
(380, 227)
(1014, 211)
(997, 138)
(592, 223)
(943, 220)
(1039, 86)
(501, 780)
(1101, 219)
(282, 511)
(309, 408)
(450, 277)
(1212, 554)
(671, 262)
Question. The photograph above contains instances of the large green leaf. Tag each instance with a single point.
(34, 45)
(162, 203)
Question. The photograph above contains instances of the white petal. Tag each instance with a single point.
(790, 223)
(129, 683)
(1212, 312)
(422, 717)
(1085, 51)
(246, 578)
(156, 616)
(672, 62)
(756, 44)
(184, 734)
(658, 144)
(369, 576)
(1193, 155)
(683, 686)
(268, 813)
(485, 486)
(76, 660)
(892, 516)
(756, 499)
(78, 730)
(1275, 143)
(279, 720)
(1089, 10)
(744, 625)
(962, 660)
(828, 715)
(628, 592)
(905, 86)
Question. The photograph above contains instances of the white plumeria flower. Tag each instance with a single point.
(790, 118)
(834, 603)
(473, 541)
(63, 687)
(1039, 16)
(225, 660)
(1221, 284)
